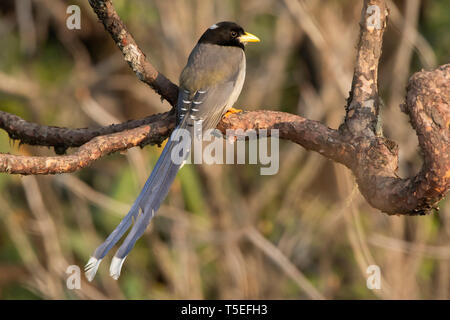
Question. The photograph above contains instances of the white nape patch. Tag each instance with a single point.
(91, 268)
(214, 26)
(115, 267)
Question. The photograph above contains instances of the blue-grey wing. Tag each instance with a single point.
(207, 105)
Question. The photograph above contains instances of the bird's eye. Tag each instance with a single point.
(234, 34)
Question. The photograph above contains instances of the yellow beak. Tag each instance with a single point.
(248, 37)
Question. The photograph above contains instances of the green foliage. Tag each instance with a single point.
(436, 29)
(192, 190)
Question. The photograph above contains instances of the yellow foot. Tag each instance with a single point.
(231, 111)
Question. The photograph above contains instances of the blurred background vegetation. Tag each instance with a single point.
(224, 231)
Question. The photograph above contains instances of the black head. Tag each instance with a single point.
(227, 34)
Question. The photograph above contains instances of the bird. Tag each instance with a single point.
(209, 85)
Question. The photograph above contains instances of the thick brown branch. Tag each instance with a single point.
(91, 151)
(311, 134)
(363, 103)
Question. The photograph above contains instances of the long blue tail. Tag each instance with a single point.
(143, 209)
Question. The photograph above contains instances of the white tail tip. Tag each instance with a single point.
(182, 164)
(91, 268)
(116, 266)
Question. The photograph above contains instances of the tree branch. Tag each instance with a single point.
(132, 54)
(363, 103)
(373, 159)
(63, 138)
(89, 152)
(376, 158)
(311, 134)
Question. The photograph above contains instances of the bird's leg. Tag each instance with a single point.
(231, 111)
